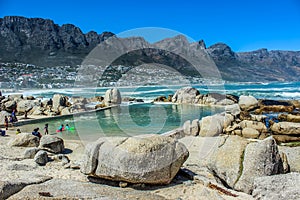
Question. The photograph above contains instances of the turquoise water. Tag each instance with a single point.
(149, 118)
(128, 120)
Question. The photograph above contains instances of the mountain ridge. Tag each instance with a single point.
(42, 42)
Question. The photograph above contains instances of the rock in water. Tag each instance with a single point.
(112, 96)
(52, 144)
(185, 95)
(41, 157)
(25, 140)
(147, 159)
(277, 187)
(260, 159)
(247, 102)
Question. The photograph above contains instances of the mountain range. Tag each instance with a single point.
(42, 42)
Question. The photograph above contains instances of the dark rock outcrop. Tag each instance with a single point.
(42, 42)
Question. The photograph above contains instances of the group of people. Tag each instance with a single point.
(62, 127)
(12, 118)
(36, 132)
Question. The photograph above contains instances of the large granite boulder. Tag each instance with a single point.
(286, 128)
(259, 159)
(15, 97)
(213, 125)
(25, 140)
(233, 109)
(247, 102)
(250, 133)
(237, 162)
(148, 159)
(266, 106)
(289, 117)
(185, 95)
(191, 127)
(226, 160)
(9, 106)
(52, 144)
(41, 157)
(112, 96)
(25, 106)
(259, 126)
(59, 100)
(286, 138)
(277, 187)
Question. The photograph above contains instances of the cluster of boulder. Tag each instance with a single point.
(189, 95)
(42, 150)
(57, 105)
(244, 116)
(249, 131)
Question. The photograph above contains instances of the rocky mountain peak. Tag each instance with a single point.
(221, 51)
(173, 43)
(32, 40)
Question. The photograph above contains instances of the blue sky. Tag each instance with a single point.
(243, 25)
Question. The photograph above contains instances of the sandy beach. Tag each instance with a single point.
(14, 168)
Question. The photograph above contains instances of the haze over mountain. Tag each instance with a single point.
(44, 43)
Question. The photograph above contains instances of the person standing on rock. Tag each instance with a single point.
(46, 129)
(14, 117)
(6, 122)
(25, 116)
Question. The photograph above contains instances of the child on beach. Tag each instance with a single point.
(6, 122)
(2, 132)
(67, 127)
(18, 131)
(36, 132)
(11, 120)
(46, 129)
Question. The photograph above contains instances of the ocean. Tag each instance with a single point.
(148, 118)
(272, 90)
